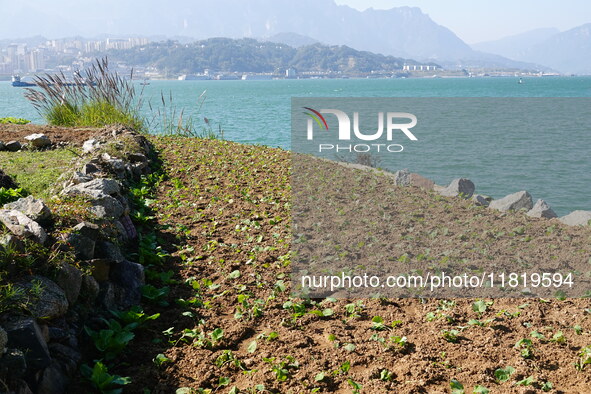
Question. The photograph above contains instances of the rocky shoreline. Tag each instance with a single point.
(40, 352)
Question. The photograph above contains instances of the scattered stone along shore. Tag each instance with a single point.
(465, 188)
(40, 352)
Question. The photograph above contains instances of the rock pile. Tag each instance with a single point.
(40, 352)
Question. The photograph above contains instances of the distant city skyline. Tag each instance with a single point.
(479, 21)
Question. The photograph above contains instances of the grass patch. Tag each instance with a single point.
(94, 97)
(12, 120)
(36, 171)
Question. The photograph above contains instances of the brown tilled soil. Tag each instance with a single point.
(72, 136)
(223, 214)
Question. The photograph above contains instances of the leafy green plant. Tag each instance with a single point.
(378, 324)
(456, 387)
(281, 369)
(584, 358)
(102, 380)
(526, 381)
(155, 295)
(451, 335)
(10, 195)
(481, 306)
(525, 347)
(558, 337)
(356, 387)
(478, 389)
(134, 317)
(504, 374)
(160, 360)
(386, 375)
(112, 340)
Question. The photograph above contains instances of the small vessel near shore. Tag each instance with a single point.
(16, 82)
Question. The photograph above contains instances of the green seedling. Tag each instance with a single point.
(386, 375)
(526, 382)
(584, 358)
(160, 360)
(134, 317)
(113, 340)
(504, 374)
(525, 347)
(155, 295)
(451, 335)
(456, 387)
(102, 380)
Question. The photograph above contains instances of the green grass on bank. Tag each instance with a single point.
(36, 171)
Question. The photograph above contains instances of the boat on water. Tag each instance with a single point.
(16, 82)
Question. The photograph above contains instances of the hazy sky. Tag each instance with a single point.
(483, 20)
(472, 20)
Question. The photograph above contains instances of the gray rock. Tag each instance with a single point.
(13, 146)
(129, 278)
(481, 200)
(541, 210)
(106, 297)
(513, 202)
(24, 334)
(69, 278)
(89, 168)
(97, 188)
(52, 301)
(117, 165)
(577, 218)
(90, 288)
(107, 207)
(138, 169)
(90, 146)
(459, 187)
(21, 225)
(53, 380)
(20, 386)
(83, 246)
(89, 230)
(109, 251)
(38, 140)
(34, 208)
(402, 178)
(68, 357)
(13, 364)
(3, 341)
(79, 177)
(137, 158)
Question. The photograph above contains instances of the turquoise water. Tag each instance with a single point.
(258, 112)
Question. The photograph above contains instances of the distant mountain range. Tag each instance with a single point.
(402, 32)
(568, 52)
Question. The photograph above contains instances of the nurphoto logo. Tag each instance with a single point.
(391, 119)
